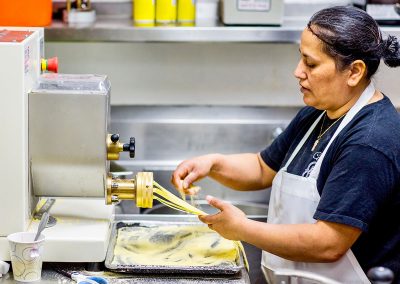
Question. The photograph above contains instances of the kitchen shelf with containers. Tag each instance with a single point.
(124, 31)
(181, 21)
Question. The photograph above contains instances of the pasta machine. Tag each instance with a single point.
(56, 153)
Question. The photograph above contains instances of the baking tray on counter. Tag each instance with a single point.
(157, 221)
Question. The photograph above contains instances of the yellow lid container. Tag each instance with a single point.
(165, 12)
(186, 12)
(143, 13)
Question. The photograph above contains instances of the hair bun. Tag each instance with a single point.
(391, 51)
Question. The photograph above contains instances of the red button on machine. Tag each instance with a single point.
(50, 64)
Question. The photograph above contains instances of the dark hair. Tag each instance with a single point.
(349, 34)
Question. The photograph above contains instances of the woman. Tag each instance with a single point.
(335, 171)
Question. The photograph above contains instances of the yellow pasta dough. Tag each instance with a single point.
(173, 245)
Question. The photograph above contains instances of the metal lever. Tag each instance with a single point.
(46, 208)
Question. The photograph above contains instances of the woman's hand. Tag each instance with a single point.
(246, 171)
(190, 171)
(229, 223)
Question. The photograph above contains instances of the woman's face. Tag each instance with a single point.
(322, 85)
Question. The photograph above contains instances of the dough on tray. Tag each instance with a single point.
(173, 245)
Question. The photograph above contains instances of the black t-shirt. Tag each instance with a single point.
(359, 181)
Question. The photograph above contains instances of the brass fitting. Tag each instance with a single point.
(144, 189)
(113, 148)
(139, 189)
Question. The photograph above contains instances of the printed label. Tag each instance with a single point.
(254, 5)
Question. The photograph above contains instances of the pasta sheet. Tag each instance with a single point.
(174, 245)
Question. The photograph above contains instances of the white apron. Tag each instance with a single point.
(294, 200)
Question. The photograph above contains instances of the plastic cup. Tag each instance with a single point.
(26, 256)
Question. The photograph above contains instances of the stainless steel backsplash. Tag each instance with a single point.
(166, 135)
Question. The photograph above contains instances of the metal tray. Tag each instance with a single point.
(166, 269)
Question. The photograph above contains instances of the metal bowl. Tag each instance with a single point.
(249, 208)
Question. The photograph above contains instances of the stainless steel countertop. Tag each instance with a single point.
(48, 276)
(122, 30)
(56, 272)
(51, 276)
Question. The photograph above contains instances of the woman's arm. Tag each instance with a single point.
(242, 171)
(239, 171)
(318, 242)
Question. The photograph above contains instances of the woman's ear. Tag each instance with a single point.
(357, 71)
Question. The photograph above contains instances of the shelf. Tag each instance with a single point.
(124, 31)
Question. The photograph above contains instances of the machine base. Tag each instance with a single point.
(81, 233)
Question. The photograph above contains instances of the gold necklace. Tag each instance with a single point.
(322, 133)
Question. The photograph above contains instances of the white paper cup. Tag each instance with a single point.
(26, 256)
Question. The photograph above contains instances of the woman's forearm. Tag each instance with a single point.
(241, 171)
(319, 242)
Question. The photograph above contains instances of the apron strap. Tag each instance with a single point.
(303, 141)
(361, 102)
